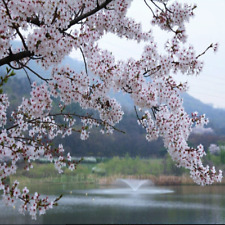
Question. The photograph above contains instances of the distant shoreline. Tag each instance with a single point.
(162, 180)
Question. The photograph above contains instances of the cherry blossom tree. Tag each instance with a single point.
(214, 149)
(48, 31)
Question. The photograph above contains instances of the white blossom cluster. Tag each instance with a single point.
(214, 149)
(55, 28)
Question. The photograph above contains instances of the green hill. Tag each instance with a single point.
(133, 142)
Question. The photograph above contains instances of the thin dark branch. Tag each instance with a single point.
(55, 15)
(135, 109)
(15, 26)
(90, 13)
(36, 57)
(128, 90)
(7, 9)
(38, 75)
(153, 71)
(16, 125)
(150, 8)
(201, 54)
(28, 77)
(211, 46)
(101, 122)
(81, 10)
(21, 37)
(165, 6)
(156, 5)
(15, 57)
(97, 3)
(76, 20)
(35, 21)
(153, 112)
(85, 63)
(13, 67)
(167, 22)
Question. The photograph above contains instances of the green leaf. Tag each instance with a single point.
(38, 43)
(12, 73)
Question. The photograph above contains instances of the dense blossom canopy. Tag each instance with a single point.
(56, 27)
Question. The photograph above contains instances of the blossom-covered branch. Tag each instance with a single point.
(54, 30)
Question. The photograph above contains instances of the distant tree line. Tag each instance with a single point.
(132, 142)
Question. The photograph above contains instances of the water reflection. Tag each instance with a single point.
(126, 191)
(129, 198)
(123, 205)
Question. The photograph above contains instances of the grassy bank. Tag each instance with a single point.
(46, 173)
(161, 171)
(103, 180)
(162, 180)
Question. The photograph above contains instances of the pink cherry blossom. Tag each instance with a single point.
(53, 30)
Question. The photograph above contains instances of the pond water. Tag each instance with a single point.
(123, 205)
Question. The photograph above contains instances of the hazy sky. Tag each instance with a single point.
(208, 26)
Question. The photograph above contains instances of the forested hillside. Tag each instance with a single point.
(133, 141)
